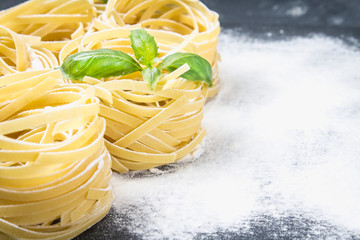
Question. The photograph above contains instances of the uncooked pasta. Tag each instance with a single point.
(178, 26)
(148, 128)
(56, 22)
(59, 138)
(22, 52)
(167, 140)
(54, 167)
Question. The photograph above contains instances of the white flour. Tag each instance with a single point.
(283, 139)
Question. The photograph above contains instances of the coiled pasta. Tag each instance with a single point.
(55, 21)
(178, 26)
(135, 104)
(21, 52)
(54, 167)
(146, 128)
(59, 139)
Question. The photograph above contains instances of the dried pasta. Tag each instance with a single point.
(56, 22)
(21, 52)
(59, 139)
(178, 26)
(54, 167)
(145, 128)
(186, 26)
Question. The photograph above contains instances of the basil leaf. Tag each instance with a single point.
(144, 46)
(105, 1)
(200, 68)
(100, 63)
(151, 75)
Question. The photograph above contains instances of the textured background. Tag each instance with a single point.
(297, 16)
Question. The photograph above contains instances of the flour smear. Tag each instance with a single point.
(283, 139)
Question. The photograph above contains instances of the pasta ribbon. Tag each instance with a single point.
(54, 167)
(146, 128)
(56, 22)
(19, 53)
(60, 138)
(177, 26)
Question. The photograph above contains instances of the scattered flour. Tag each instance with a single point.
(297, 11)
(283, 136)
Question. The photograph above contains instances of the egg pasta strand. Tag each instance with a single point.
(54, 167)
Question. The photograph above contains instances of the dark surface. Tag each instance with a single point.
(332, 17)
(255, 17)
(260, 227)
(269, 19)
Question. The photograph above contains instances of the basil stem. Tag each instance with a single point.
(144, 46)
(100, 63)
(151, 75)
(200, 68)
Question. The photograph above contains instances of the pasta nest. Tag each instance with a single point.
(56, 135)
(54, 167)
(56, 22)
(61, 28)
(178, 26)
(146, 128)
(21, 52)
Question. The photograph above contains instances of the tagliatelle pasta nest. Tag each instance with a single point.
(145, 128)
(59, 139)
(134, 107)
(22, 52)
(56, 22)
(54, 167)
(178, 26)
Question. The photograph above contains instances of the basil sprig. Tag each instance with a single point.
(146, 52)
(103, 63)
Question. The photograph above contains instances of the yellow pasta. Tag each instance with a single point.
(177, 25)
(56, 22)
(166, 20)
(20, 52)
(59, 138)
(54, 167)
(146, 128)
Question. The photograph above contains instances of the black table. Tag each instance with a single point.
(333, 17)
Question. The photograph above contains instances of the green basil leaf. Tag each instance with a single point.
(151, 75)
(105, 1)
(100, 63)
(144, 46)
(200, 68)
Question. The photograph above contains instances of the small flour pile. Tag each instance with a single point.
(282, 141)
